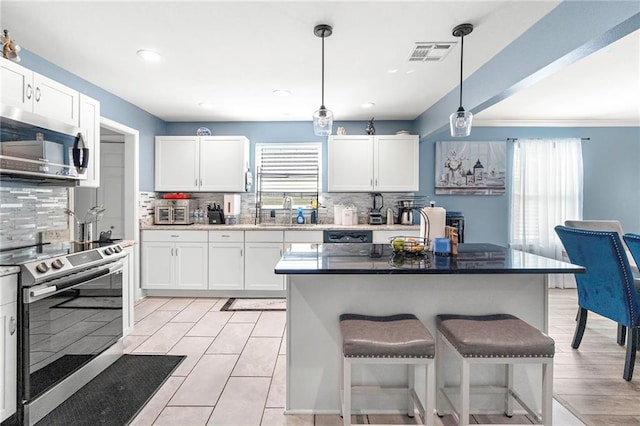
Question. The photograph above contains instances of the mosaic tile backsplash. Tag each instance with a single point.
(361, 201)
(27, 212)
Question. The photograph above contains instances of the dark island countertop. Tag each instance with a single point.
(364, 258)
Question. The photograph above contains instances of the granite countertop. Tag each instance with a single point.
(293, 227)
(361, 258)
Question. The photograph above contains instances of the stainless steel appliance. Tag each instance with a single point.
(69, 320)
(40, 150)
(405, 212)
(375, 213)
(174, 212)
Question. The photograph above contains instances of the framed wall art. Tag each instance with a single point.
(470, 168)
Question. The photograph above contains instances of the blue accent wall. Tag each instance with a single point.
(611, 178)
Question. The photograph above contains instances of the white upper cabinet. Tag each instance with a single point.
(350, 163)
(177, 163)
(90, 125)
(396, 163)
(201, 163)
(373, 163)
(30, 91)
(224, 161)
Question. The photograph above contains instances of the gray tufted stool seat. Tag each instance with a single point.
(394, 339)
(494, 339)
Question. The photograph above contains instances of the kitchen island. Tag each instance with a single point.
(330, 279)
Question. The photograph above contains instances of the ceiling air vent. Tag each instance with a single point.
(430, 52)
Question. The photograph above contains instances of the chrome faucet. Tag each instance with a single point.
(287, 204)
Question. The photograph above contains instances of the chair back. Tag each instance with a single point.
(633, 244)
(607, 287)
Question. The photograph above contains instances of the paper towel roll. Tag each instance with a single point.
(437, 222)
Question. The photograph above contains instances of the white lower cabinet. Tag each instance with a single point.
(9, 343)
(263, 250)
(174, 260)
(226, 260)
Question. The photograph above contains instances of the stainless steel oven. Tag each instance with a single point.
(70, 323)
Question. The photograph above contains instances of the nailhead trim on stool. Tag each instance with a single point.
(494, 339)
(394, 339)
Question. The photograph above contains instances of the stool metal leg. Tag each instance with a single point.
(430, 395)
(439, 373)
(346, 399)
(464, 394)
(411, 386)
(508, 399)
(547, 393)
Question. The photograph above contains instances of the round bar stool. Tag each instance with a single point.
(394, 339)
(493, 339)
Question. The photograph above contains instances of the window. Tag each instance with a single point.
(288, 169)
(546, 190)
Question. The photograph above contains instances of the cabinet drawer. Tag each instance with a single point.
(302, 236)
(175, 236)
(263, 236)
(384, 237)
(8, 289)
(226, 236)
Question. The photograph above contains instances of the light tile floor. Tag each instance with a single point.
(234, 371)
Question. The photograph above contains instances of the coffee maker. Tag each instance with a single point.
(405, 212)
(375, 213)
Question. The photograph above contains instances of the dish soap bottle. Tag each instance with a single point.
(300, 218)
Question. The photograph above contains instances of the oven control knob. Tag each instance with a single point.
(117, 249)
(42, 268)
(57, 264)
(108, 251)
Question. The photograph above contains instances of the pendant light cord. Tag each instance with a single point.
(323, 68)
(461, 58)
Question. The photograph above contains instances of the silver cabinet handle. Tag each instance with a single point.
(196, 181)
(176, 251)
(38, 94)
(225, 236)
(174, 235)
(171, 251)
(371, 182)
(240, 252)
(29, 91)
(12, 326)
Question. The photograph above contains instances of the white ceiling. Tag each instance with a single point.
(234, 54)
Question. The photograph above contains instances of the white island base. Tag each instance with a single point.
(315, 302)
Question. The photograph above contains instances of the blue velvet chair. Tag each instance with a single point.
(607, 287)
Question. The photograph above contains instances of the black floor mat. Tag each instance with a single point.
(117, 394)
(45, 377)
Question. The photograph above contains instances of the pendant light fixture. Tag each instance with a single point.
(460, 121)
(322, 118)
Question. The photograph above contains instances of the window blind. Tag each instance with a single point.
(289, 167)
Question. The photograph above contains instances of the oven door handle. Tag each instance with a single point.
(64, 283)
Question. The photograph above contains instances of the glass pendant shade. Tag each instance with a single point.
(322, 122)
(460, 123)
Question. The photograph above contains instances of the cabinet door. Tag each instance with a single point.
(261, 260)
(223, 163)
(350, 164)
(176, 163)
(55, 100)
(191, 266)
(396, 163)
(16, 85)
(90, 125)
(226, 266)
(8, 359)
(157, 265)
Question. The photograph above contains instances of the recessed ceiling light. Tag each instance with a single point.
(205, 105)
(149, 55)
(392, 71)
(410, 71)
(368, 105)
(281, 92)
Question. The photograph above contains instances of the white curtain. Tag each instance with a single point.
(546, 190)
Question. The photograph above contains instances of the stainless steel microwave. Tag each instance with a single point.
(35, 148)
